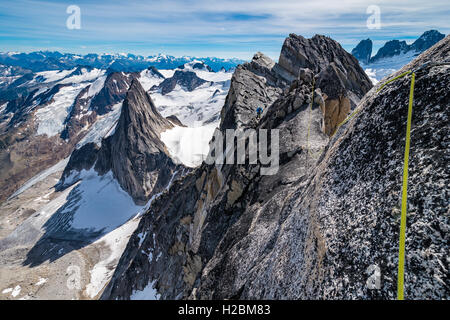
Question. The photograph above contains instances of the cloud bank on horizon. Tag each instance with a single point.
(226, 28)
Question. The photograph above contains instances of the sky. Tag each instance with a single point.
(225, 28)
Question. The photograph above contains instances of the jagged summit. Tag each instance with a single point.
(136, 155)
(196, 65)
(140, 118)
(316, 54)
(427, 40)
(337, 73)
(114, 89)
(363, 51)
(133, 152)
(390, 49)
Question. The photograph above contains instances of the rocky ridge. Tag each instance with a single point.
(217, 227)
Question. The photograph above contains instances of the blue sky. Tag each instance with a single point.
(236, 28)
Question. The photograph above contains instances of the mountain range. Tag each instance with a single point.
(363, 51)
(393, 54)
(127, 62)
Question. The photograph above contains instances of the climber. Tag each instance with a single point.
(259, 112)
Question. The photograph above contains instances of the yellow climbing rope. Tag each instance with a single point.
(402, 237)
(393, 79)
(401, 250)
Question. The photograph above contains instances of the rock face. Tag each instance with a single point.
(337, 74)
(261, 75)
(312, 230)
(316, 54)
(202, 66)
(134, 152)
(114, 90)
(337, 104)
(390, 49)
(185, 79)
(80, 116)
(155, 72)
(363, 51)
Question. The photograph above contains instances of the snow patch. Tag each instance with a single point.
(167, 73)
(103, 127)
(115, 208)
(7, 290)
(51, 118)
(149, 293)
(189, 145)
(371, 73)
(16, 291)
(202, 104)
(85, 76)
(385, 67)
(148, 80)
(53, 75)
(96, 86)
(3, 107)
(41, 281)
(116, 241)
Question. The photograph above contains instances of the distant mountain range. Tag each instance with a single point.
(47, 60)
(393, 55)
(363, 51)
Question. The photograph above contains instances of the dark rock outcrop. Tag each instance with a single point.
(175, 120)
(202, 66)
(363, 51)
(155, 72)
(390, 49)
(186, 79)
(316, 54)
(337, 73)
(427, 40)
(80, 115)
(261, 75)
(114, 90)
